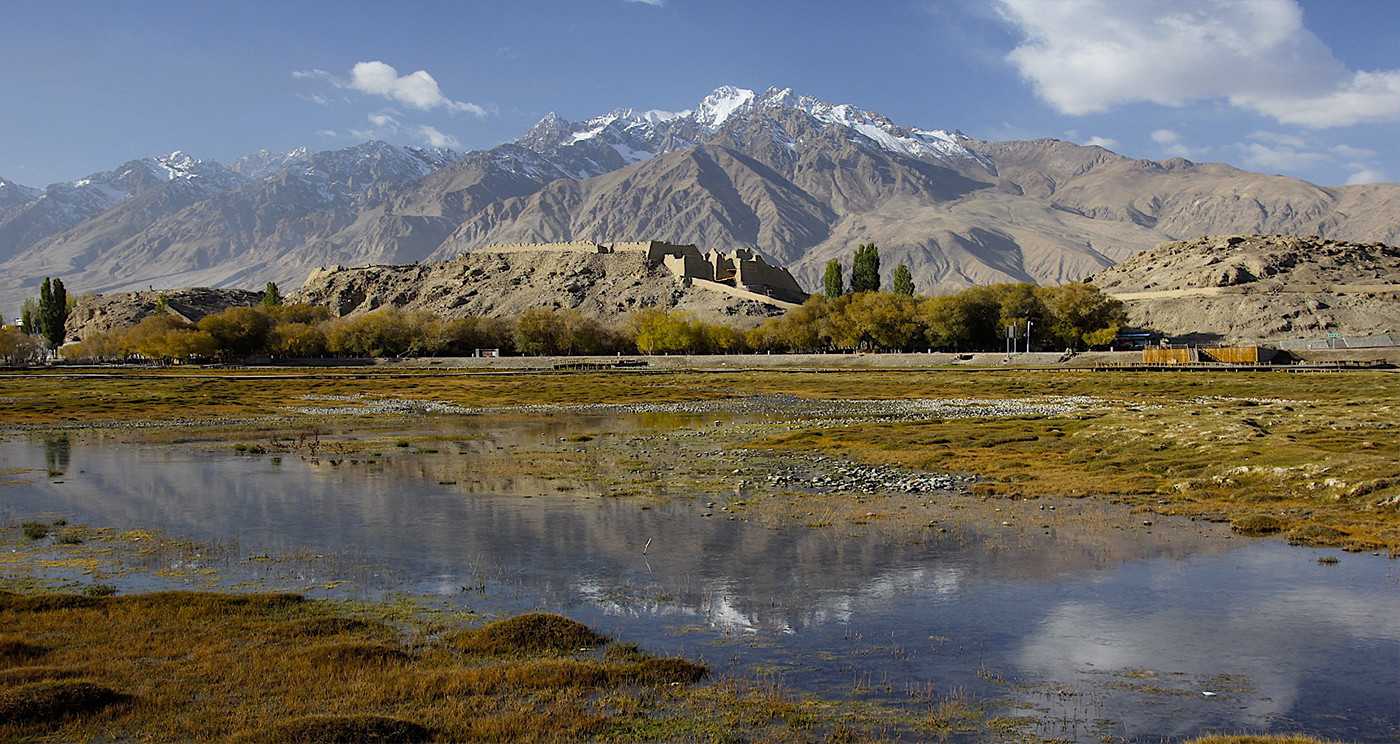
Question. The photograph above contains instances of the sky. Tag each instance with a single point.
(1304, 88)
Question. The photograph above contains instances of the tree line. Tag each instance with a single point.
(858, 317)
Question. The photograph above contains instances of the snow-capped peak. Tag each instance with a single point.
(722, 104)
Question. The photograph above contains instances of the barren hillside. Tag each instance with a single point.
(1261, 287)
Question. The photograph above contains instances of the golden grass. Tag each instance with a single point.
(1257, 739)
(53, 398)
(198, 667)
(1320, 472)
(532, 633)
(338, 730)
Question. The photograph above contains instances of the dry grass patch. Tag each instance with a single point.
(533, 633)
(48, 702)
(275, 667)
(339, 730)
(1258, 739)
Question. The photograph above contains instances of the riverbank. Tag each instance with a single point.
(1307, 457)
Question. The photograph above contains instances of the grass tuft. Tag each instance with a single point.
(51, 701)
(27, 674)
(1256, 525)
(350, 653)
(319, 627)
(1257, 739)
(339, 730)
(533, 633)
(35, 530)
(14, 650)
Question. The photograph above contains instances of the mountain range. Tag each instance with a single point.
(800, 179)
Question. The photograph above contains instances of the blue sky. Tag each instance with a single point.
(1300, 87)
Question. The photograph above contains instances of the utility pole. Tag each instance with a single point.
(1028, 335)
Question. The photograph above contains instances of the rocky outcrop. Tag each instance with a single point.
(105, 312)
(1261, 287)
(605, 285)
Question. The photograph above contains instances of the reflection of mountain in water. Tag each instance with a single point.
(870, 602)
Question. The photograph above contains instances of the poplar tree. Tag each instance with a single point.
(865, 269)
(833, 284)
(53, 310)
(903, 281)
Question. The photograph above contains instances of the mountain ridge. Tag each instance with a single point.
(795, 177)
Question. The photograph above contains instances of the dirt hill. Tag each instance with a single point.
(1261, 287)
(504, 284)
(104, 312)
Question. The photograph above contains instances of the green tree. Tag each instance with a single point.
(865, 269)
(833, 284)
(272, 297)
(29, 317)
(53, 311)
(903, 281)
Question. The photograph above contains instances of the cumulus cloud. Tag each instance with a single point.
(1107, 143)
(1165, 137)
(1278, 138)
(1172, 144)
(652, 3)
(435, 138)
(1365, 176)
(1352, 153)
(1279, 157)
(1087, 56)
(418, 90)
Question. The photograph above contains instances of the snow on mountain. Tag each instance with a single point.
(640, 135)
(12, 194)
(717, 107)
(264, 162)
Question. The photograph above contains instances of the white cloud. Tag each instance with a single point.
(384, 120)
(436, 138)
(327, 133)
(1107, 143)
(1165, 137)
(1172, 144)
(1353, 153)
(1087, 56)
(1279, 157)
(1278, 138)
(1365, 176)
(652, 3)
(418, 90)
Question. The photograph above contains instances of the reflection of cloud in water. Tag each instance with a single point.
(1276, 644)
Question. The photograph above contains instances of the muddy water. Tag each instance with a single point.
(1147, 636)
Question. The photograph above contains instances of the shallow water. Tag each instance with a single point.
(1120, 637)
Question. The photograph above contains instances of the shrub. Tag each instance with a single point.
(35, 530)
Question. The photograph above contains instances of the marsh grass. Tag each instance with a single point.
(35, 530)
(532, 633)
(48, 702)
(275, 667)
(1258, 739)
(349, 729)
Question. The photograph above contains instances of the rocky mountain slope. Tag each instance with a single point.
(101, 313)
(503, 284)
(800, 179)
(1261, 287)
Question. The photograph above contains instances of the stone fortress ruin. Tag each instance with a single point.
(742, 270)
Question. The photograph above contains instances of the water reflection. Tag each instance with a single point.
(1146, 621)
